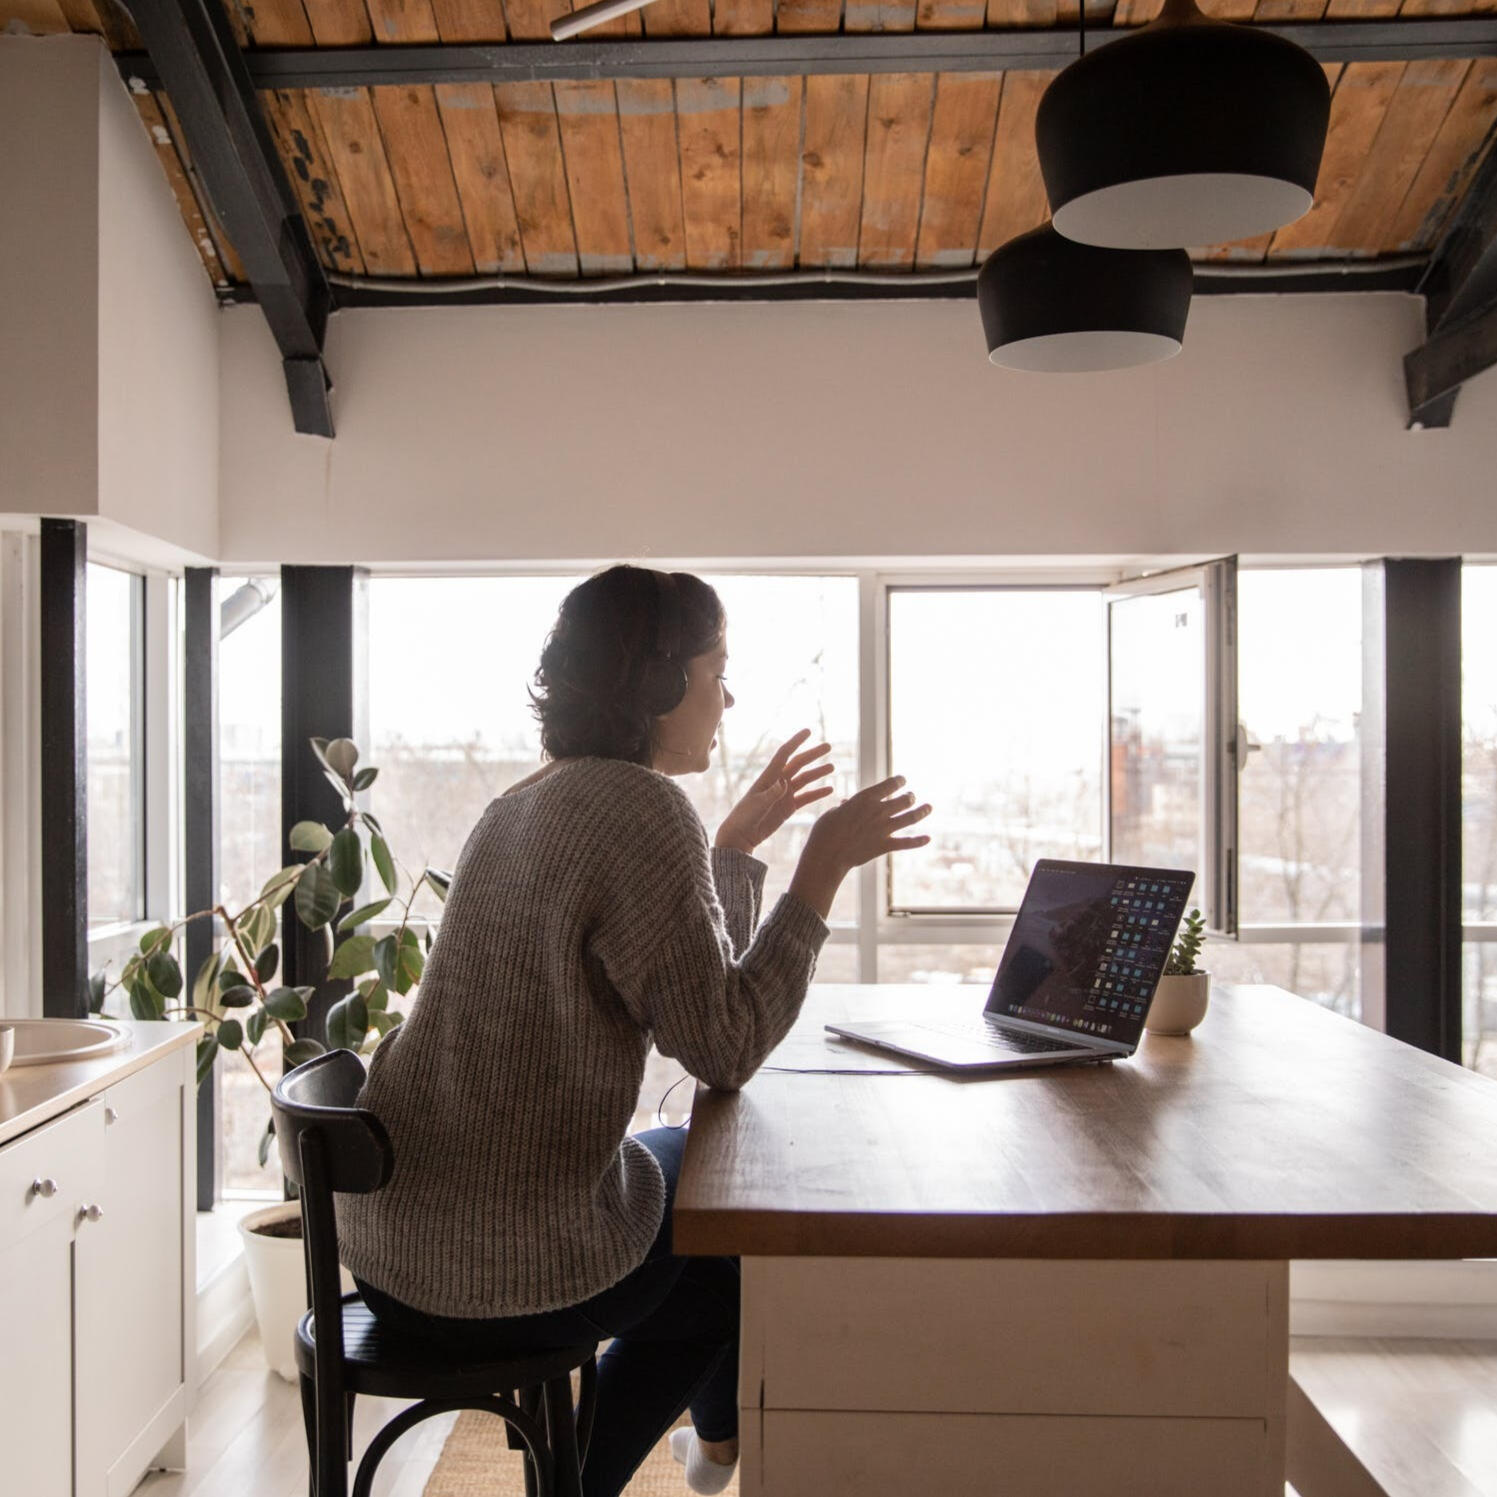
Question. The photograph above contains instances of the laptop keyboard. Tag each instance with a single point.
(1012, 1040)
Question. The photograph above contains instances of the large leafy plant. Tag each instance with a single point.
(234, 993)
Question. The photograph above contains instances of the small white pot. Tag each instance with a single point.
(278, 1283)
(1179, 1004)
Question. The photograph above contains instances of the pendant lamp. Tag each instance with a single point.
(1191, 131)
(1050, 305)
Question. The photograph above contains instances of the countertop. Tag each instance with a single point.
(1276, 1130)
(33, 1095)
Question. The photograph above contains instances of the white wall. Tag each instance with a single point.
(49, 232)
(158, 342)
(109, 344)
(805, 430)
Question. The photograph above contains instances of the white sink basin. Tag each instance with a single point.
(41, 1042)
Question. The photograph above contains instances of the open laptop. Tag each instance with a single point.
(1076, 979)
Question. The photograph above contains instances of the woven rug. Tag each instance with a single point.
(476, 1462)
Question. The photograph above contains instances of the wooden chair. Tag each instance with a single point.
(328, 1144)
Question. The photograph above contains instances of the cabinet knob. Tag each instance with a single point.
(90, 1213)
(110, 1116)
(46, 1189)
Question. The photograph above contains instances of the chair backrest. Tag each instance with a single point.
(319, 1096)
(328, 1144)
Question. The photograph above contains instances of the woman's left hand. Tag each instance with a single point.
(779, 792)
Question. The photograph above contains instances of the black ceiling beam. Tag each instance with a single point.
(1460, 302)
(792, 55)
(195, 58)
(1436, 370)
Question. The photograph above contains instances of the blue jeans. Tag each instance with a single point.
(674, 1324)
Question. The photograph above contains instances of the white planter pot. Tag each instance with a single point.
(278, 1283)
(1179, 1004)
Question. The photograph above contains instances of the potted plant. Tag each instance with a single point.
(1180, 999)
(234, 993)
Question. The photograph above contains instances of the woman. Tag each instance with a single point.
(588, 917)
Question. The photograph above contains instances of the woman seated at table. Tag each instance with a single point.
(587, 918)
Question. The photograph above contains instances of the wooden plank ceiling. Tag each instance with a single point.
(893, 172)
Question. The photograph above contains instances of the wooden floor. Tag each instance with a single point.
(1422, 1413)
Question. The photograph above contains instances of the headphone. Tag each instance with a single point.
(663, 683)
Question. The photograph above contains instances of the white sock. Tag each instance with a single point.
(702, 1475)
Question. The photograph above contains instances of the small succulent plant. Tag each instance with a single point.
(1187, 947)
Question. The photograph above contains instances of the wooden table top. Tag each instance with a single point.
(1277, 1130)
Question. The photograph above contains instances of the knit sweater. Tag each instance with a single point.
(586, 918)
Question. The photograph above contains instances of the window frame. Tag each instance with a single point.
(156, 703)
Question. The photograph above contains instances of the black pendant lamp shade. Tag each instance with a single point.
(1053, 306)
(1191, 132)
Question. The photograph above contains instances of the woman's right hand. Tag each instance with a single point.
(865, 826)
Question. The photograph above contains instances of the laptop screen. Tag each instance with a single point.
(1089, 946)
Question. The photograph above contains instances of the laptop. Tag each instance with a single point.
(1076, 979)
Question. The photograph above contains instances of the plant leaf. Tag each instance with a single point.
(236, 997)
(383, 1022)
(380, 852)
(317, 897)
(165, 974)
(144, 1004)
(298, 1052)
(230, 976)
(96, 988)
(256, 927)
(230, 1034)
(409, 962)
(440, 882)
(347, 1023)
(372, 822)
(341, 756)
(286, 1004)
(365, 777)
(267, 961)
(364, 913)
(386, 958)
(205, 984)
(156, 939)
(207, 1051)
(309, 836)
(354, 956)
(376, 995)
(254, 1026)
(266, 1139)
(345, 861)
(278, 886)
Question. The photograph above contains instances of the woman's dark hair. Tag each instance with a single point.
(616, 660)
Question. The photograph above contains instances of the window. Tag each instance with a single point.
(792, 663)
(447, 737)
(249, 737)
(1479, 812)
(996, 703)
(114, 626)
(1299, 660)
(249, 846)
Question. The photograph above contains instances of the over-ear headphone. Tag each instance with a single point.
(664, 679)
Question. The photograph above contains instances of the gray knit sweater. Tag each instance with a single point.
(586, 918)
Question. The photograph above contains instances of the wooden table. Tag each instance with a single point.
(1071, 1282)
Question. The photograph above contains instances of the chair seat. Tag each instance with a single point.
(386, 1364)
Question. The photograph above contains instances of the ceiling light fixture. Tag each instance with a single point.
(593, 15)
(1192, 131)
(1052, 306)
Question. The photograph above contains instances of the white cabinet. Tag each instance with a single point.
(97, 1286)
(42, 1178)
